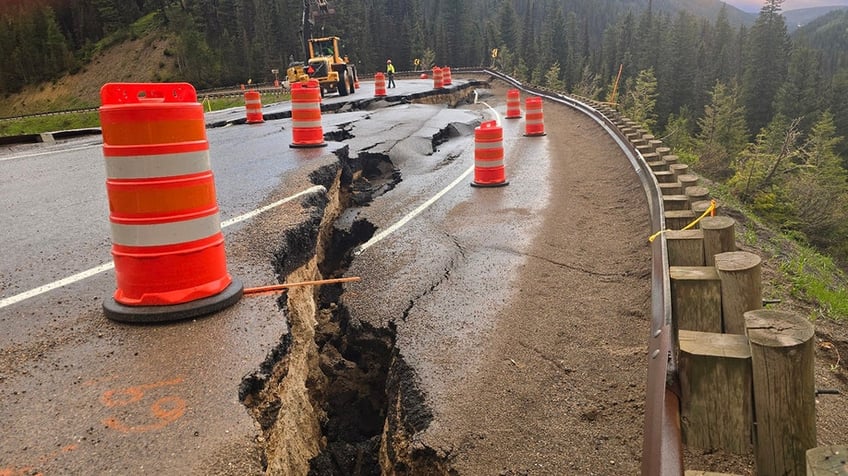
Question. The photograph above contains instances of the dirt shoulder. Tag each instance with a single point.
(561, 389)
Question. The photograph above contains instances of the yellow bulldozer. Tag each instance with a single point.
(326, 64)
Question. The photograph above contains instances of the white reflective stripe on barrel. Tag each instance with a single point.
(305, 124)
(253, 102)
(161, 165)
(488, 164)
(166, 233)
(306, 106)
(488, 145)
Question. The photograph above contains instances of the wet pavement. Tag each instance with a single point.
(85, 395)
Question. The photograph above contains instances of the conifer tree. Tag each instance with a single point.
(722, 133)
(765, 65)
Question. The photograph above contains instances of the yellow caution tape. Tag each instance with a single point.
(709, 211)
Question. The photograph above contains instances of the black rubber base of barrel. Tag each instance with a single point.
(535, 135)
(490, 185)
(144, 314)
(306, 146)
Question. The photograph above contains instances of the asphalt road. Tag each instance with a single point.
(82, 394)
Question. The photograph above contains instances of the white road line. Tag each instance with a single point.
(48, 152)
(111, 265)
(403, 221)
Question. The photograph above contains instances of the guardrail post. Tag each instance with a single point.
(783, 361)
(696, 298)
(715, 384)
(685, 247)
(827, 460)
(741, 288)
(719, 236)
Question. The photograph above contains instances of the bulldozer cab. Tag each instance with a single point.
(326, 47)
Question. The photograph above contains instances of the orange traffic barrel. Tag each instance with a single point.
(513, 104)
(534, 124)
(307, 130)
(253, 107)
(438, 78)
(489, 156)
(379, 85)
(446, 76)
(167, 244)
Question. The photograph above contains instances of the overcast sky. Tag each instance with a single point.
(756, 5)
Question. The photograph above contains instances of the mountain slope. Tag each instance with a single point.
(798, 18)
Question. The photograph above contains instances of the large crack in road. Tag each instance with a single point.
(335, 397)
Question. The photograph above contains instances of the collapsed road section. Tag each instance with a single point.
(323, 395)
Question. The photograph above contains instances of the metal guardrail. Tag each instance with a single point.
(662, 453)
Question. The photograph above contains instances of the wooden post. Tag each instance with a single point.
(687, 180)
(663, 151)
(783, 363)
(685, 248)
(695, 298)
(697, 193)
(700, 206)
(715, 386)
(664, 177)
(719, 237)
(827, 460)
(679, 169)
(676, 202)
(741, 288)
(678, 219)
(671, 188)
(671, 159)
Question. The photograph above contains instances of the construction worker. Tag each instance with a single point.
(390, 72)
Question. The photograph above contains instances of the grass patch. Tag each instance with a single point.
(816, 278)
(59, 122)
(83, 120)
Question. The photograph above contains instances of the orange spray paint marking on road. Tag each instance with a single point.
(164, 410)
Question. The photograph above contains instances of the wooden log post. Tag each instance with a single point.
(664, 177)
(715, 383)
(687, 180)
(671, 188)
(678, 219)
(719, 236)
(676, 202)
(701, 206)
(663, 151)
(741, 288)
(697, 193)
(656, 144)
(827, 460)
(685, 248)
(783, 363)
(679, 169)
(671, 159)
(695, 298)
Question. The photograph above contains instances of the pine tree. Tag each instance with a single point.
(766, 64)
(722, 133)
(818, 190)
(642, 98)
(800, 94)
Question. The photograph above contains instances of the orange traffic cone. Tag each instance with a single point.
(446, 76)
(513, 104)
(534, 125)
(167, 244)
(489, 156)
(379, 85)
(253, 107)
(438, 78)
(307, 130)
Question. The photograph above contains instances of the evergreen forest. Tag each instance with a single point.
(760, 111)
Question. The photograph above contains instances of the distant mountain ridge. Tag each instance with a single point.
(798, 18)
